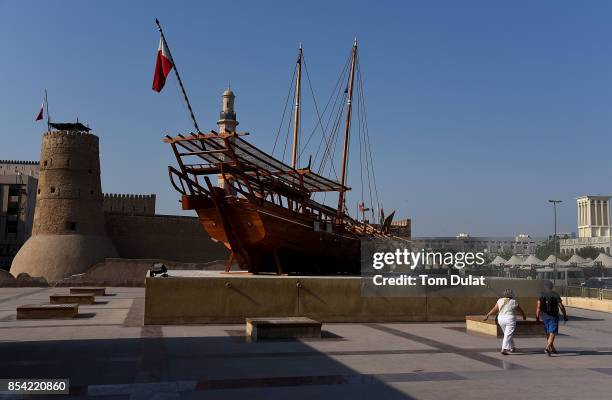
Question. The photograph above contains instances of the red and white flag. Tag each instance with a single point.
(41, 112)
(163, 65)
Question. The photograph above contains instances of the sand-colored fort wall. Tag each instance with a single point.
(163, 237)
(131, 204)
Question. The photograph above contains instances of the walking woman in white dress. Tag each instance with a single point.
(506, 308)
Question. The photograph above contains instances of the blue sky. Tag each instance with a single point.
(479, 111)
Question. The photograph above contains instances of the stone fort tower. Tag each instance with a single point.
(68, 234)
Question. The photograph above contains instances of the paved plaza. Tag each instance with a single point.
(108, 354)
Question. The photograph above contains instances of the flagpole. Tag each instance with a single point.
(48, 116)
(178, 78)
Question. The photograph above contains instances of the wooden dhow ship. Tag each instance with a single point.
(264, 210)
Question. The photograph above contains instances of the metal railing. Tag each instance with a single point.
(591, 293)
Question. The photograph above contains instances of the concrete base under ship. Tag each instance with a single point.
(201, 297)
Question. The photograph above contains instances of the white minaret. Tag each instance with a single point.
(227, 123)
(227, 117)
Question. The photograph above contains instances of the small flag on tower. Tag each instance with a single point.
(41, 112)
(163, 65)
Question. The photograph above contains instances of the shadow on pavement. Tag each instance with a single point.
(198, 366)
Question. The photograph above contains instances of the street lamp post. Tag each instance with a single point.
(554, 203)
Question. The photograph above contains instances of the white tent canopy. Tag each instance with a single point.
(578, 261)
(515, 260)
(575, 258)
(532, 260)
(604, 259)
(551, 260)
(497, 261)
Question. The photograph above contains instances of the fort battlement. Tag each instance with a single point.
(130, 204)
(56, 133)
(18, 162)
(128, 196)
(14, 167)
(86, 142)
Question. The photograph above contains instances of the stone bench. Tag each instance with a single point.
(84, 298)
(474, 323)
(47, 311)
(282, 328)
(96, 291)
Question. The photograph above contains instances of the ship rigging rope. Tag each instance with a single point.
(330, 120)
(335, 135)
(367, 144)
(335, 90)
(338, 103)
(289, 125)
(280, 126)
(330, 149)
(361, 149)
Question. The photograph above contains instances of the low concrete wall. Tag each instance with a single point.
(589, 304)
(6, 278)
(130, 273)
(47, 311)
(22, 280)
(474, 323)
(230, 298)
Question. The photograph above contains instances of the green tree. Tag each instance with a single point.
(589, 252)
(547, 248)
(506, 254)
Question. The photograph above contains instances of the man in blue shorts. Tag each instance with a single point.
(548, 307)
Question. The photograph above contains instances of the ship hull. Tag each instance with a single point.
(269, 238)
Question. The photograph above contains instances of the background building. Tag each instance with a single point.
(521, 244)
(18, 182)
(593, 226)
(402, 228)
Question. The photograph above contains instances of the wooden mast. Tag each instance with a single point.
(296, 117)
(347, 134)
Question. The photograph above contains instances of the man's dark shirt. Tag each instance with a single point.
(547, 296)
